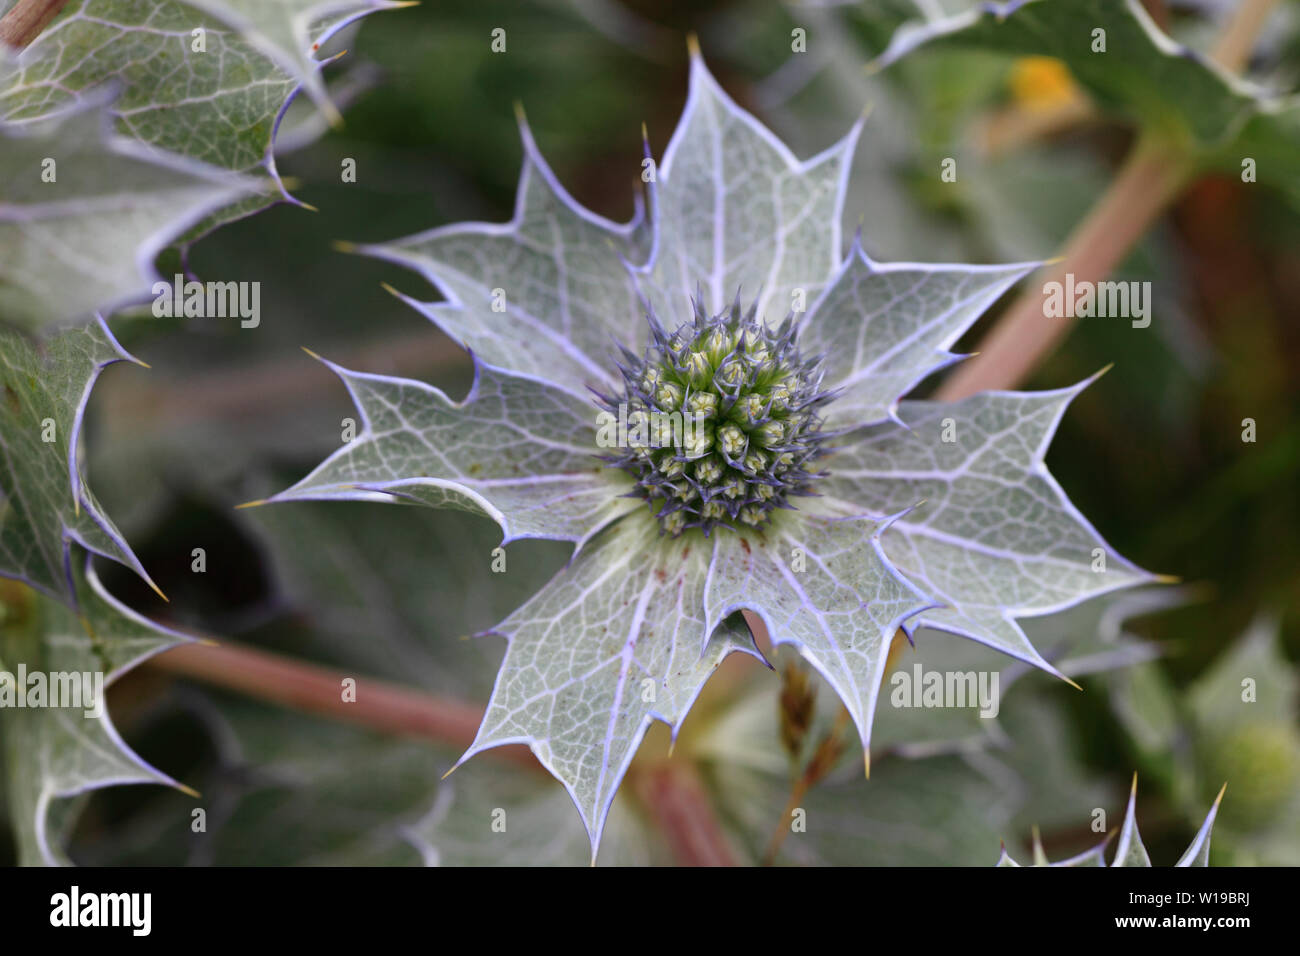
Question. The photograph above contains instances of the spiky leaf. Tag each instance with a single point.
(54, 753)
(996, 538)
(84, 213)
(220, 105)
(638, 645)
(46, 505)
(546, 294)
(516, 449)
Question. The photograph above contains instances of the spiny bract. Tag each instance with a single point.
(723, 418)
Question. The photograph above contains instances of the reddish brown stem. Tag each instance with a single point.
(297, 685)
(1152, 177)
(26, 19)
(676, 799)
(1149, 180)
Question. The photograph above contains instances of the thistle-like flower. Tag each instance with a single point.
(729, 412)
(803, 490)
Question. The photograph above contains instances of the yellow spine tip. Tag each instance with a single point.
(157, 590)
(188, 791)
(308, 206)
(1168, 579)
(1222, 790)
(311, 353)
(342, 245)
(449, 772)
(332, 115)
(390, 290)
(693, 44)
(251, 504)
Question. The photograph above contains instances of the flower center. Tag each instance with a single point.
(718, 420)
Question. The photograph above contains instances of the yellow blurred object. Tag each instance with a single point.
(1042, 83)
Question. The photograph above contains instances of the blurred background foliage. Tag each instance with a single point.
(1153, 454)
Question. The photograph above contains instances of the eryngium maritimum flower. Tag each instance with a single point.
(924, 514)
(748, 405)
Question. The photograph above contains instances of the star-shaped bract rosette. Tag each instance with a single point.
(924, 513)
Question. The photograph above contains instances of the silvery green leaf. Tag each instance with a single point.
(825, 587)
(618, 639)
(515, 449)
(547, 294)
(87, 239)
(54, 753)
(289, 32)
(1143, 75)
(735, 211)
(221, 106)
(885, 327)
(45, 502)
(996, 538)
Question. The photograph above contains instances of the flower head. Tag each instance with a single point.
(737, 405)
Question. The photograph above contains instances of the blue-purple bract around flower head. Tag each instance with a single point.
(722, 423)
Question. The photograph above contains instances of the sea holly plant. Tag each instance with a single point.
(125, 128)
(86, 212)
(48, 508)
(54, 753)
(750, 372)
